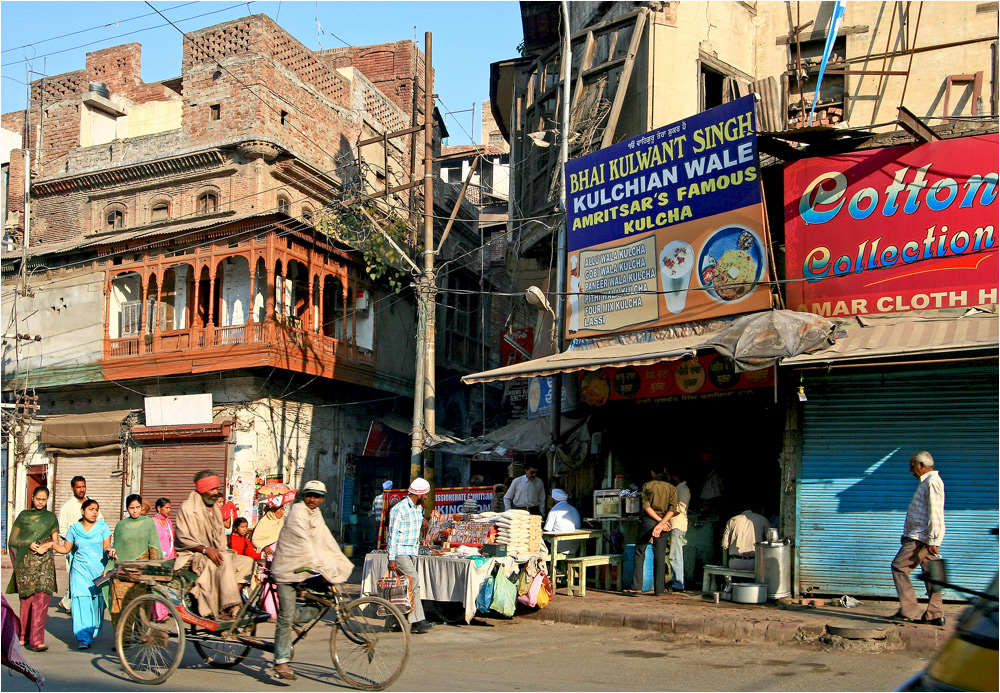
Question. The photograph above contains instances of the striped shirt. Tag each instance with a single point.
(925, 516)
(405, 523)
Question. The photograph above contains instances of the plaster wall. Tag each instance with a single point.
(939, 22)
(65, 311)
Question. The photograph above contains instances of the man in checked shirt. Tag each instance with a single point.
(406, 521)
(923, 531)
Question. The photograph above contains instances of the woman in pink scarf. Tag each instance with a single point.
(165, 528)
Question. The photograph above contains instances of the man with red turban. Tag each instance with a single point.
(202, 546)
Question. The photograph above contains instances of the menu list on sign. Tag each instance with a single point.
(619, 287)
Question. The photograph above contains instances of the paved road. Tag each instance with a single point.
(518, 655)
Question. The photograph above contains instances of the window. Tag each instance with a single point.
(131, 317)
(718, 82)
(283, 205)
(307, 213)
(208, 202)
(284, 117)
(214, 112)
(115, 220)
(160, 212)
(455, 175)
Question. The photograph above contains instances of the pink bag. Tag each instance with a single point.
(531, 597)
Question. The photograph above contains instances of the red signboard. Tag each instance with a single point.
(894, 229)
(516, 346)
(705, 375)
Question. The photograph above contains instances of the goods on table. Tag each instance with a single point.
(520, 531)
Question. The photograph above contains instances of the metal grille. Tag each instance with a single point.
(859, 431)
(168, 470)
(104, 482)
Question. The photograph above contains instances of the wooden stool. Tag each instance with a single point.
(711, 571)
(576, 573)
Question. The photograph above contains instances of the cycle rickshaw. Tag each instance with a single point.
(369, 643)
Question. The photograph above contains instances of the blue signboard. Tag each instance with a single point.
(667, 226)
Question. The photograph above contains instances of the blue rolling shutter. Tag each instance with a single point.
(858, 433)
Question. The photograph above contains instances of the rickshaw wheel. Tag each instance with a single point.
(224, 654)
(149, 648)
(370, 643)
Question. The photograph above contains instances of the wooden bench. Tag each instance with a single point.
(576, 573)
(711, 571)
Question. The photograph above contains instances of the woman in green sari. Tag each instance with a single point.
(136, 539)
(34, 578)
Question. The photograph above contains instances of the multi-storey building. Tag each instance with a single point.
(190, 237)
(824, 434)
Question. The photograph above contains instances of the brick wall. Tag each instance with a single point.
(268, 87)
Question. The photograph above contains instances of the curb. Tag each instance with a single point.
(919, 639)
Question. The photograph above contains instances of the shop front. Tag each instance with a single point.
(898, 247)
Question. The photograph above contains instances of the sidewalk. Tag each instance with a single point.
(689, 615)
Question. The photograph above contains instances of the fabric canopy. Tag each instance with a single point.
(641, 354)
(525, 435)
(914, 332)
(760, 340)
(84, 431)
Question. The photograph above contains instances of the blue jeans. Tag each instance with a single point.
(677, 558)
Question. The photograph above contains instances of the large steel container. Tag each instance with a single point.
(773, 566)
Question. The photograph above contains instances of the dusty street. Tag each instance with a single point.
(519, 655)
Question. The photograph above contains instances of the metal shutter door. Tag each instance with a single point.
(104, 482)
(168, 470)
(858, 433)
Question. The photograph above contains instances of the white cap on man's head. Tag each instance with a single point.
(386, 485)
(316, 487)
(419, 486)
(558, 495)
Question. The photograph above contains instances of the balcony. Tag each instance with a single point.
(210, 313)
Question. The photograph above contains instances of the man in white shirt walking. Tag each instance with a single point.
(71, 511)
(923, 531)
(526, 492)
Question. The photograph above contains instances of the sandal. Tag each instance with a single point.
(281, 675)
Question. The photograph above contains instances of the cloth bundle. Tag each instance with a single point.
(519, 530)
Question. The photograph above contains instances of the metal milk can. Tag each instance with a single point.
(773, 566)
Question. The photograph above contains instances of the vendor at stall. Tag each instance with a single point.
(526, 492)
(406, 520)
(742, 532)
(563, 517)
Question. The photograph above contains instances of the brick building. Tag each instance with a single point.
(176, 247)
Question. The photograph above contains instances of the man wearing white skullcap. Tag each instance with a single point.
(563, 517)
(377, 504)
(406, 520)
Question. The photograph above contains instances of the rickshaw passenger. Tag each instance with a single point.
(305, 542)
(202, 547)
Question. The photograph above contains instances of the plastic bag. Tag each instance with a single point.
(530, 596)
(504, 596)
(542, 600)
(485, 597)
(523, 583)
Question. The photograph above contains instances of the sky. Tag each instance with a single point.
(54, 37)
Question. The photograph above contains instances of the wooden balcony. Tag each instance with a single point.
(281, 343)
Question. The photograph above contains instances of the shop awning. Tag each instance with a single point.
(525, 435)
(908, 334)
(641, 354)
(98, 432)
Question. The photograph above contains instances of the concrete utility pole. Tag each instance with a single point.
(424, 401)
(560, 303)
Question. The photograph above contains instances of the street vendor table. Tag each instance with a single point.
(442, 578)
(555, 537)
